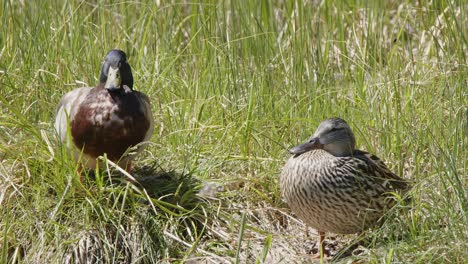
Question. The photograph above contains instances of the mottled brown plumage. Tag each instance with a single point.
(107, 119)
(335, 188)
(98, 130)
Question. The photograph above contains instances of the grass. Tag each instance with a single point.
(233, 84)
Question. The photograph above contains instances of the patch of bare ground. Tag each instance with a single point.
(268, 235)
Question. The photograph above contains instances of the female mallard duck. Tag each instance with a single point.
(335, 188)
(109, 118)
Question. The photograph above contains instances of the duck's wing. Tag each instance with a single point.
(67, 108)
(372, 165)
(364, 183)
(146, 109)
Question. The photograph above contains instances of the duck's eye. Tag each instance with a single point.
(334, 129)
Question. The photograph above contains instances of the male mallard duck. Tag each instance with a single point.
(109, 118)
(334, 187)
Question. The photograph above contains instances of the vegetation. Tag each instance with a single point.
(233, 85)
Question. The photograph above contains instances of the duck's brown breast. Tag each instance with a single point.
(109, 122)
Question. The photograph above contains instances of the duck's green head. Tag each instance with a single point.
(116, 72)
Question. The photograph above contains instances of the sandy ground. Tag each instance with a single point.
(289, 241)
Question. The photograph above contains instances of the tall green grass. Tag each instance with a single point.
(233, 84)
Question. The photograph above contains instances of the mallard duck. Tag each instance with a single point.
(334, 187)
(107, 119)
